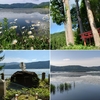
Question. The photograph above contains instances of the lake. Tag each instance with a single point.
(37, 19)
(9, 72)
(84, 85)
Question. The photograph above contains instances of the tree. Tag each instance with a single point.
(68, 24)
(78, 17)
(92, 23)
(1, 58)
(60, 12)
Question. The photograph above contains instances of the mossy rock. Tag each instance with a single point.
(25, 78)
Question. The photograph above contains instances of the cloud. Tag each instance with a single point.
(66, 59)
(84, 62)
(11, 59)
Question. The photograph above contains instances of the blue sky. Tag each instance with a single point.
(21, 1)
(85, 58)
(25, 55)
(59, 28)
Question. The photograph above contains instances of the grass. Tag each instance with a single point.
(23, 97)
(58, 41)
(80, 47)
(61, 87)
(42, 90)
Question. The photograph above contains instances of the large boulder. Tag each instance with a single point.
(25, 78)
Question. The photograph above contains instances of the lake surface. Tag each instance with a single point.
(84, 85)
(26, 18)
(9, 72)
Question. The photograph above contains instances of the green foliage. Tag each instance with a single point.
(77, 37)
(84, 17)
(80, 47)
(43, 92)
(74, 17)
(57, 11)
(43, 5)
(1, 58)
(95, 6)
(61, 87)
(52, 88)
(12, 40)
(58, 40)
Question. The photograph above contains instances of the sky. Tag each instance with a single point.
(22, 1)
(84, 58)
(59, 28)
(25, 56)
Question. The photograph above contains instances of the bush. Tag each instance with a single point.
(26, 39)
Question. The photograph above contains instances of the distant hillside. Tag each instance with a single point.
(58, 40)
(32, 65)
(74, 68)
(43, 5)
(25, 5)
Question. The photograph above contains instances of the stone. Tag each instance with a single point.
(25, 78)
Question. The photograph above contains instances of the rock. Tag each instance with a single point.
(25, 78)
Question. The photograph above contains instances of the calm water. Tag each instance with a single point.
(9, 72)
(26, 17)
(84, 86)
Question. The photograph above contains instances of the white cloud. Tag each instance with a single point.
(10, 59)
(66, 59)
(84, 62)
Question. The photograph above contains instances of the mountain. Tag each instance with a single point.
(31, 65)
(74, 68)
(25, 5)
(43, 5)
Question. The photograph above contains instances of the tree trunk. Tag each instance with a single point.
(68, 25)
(92, 23)
(79, 18)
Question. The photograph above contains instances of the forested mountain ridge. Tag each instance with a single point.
(31, 65)
(74, 68)
(25, 5)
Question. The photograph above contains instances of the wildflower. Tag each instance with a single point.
(31, 36)
(33, 25)
(15, 20)
(37, 24)
(32, 48)
(0, 32)
(14, 41)
(0, 27)
(32, 28)
(24, 40)
(29, 32)
(13, 27)
(22, 32)
(23, 27)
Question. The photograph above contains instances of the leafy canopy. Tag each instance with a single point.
(57, 11)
